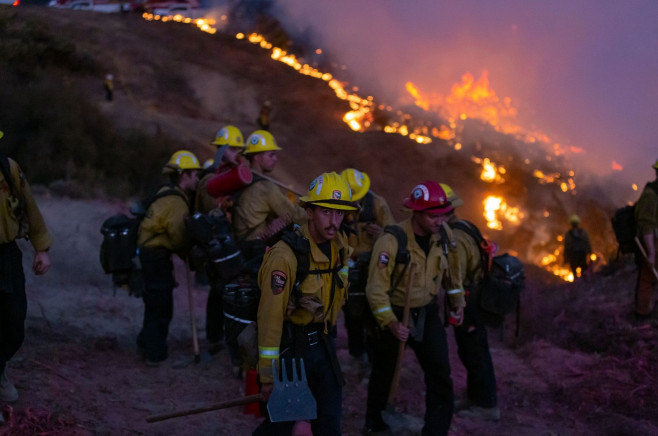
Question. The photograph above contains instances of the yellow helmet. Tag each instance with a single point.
(229, 135)
(2, 134)
(655, 166)
(182, 160)
(260, 141)
(359, 183)
(574, 219)
(330, 190)
(452, 196)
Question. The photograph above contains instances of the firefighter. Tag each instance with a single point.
(21, 218)
(161, 233)
(231, 139)
(262, 207)
(109, 87)
(296, 322)
(646, 217)
(263, 119)
(481, 401)
(386, 291)
(577, 247)
(368, 223)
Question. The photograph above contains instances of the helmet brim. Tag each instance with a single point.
(329, 204)
(409, 204)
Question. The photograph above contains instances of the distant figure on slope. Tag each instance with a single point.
(263, 119)
(646, 217)
(109, 87)
(577, 247)
(19, 218)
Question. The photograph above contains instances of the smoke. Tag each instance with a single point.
(582, 71)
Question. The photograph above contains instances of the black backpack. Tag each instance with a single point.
(215, 246)
(502, 282)
(625, 227)
(623, 224)
(118, 251)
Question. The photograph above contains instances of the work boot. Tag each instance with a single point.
(377, 427)
(481, 413)
(8, 391)
(462, 403)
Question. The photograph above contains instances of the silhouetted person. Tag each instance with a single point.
(577, 247)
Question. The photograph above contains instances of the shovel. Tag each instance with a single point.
(291, 399)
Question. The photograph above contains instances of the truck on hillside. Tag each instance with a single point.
(184, 10)
(107, 6)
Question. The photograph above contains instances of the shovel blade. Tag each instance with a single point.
(291, 398)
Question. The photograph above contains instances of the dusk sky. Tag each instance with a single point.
(584, 72)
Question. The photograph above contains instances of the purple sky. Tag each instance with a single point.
(584, 72)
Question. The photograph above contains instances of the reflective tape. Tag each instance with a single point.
(236, 319)
(454, 291)
(383, 309)
(268, 352)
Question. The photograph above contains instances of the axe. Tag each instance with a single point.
(217, 406)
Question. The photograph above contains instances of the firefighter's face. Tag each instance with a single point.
(266, 160)
(323, 223)
(231, 155)
(189, 179)
(427, 223)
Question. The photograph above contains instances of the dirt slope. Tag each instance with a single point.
(78, 372)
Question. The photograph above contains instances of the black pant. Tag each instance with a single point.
(158, 304)
(215, 311)
(325, 389)
(13, 302)
(358, 324)
(432, 354)
(473, 350)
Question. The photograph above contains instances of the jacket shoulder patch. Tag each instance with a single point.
(382, 259)
(278, 282)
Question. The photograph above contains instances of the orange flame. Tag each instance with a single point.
(616, 166)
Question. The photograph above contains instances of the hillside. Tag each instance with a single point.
(581, 365)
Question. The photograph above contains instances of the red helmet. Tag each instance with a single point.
(428, 197)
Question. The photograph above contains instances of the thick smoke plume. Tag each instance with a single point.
(581, 71)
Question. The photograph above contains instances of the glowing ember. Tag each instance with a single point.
(496, 209)
(491, 172)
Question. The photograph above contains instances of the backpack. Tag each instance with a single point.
(215, 245)
(241, 296)
(623, 224)
(118, 251)
(503, 279)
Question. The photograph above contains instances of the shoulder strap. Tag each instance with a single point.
(166, 193)
(301, 248)
(402, 256)
(471, 230)
(367, 214)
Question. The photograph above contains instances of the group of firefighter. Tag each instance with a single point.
(415, 267)
(339, 219)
